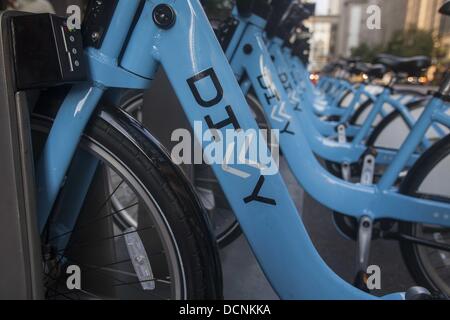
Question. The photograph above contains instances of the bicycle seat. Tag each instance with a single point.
(330, 68)
(358, 68)
(352, 60)
(376, 71)
(341, 63)
(371, 70)
(413, 66)
(445, 9)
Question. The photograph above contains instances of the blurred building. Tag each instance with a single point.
(341, 25)
(424, 15)
(353, 28)
(324, 27)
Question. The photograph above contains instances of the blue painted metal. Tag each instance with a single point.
(365, 130)
(410, 145)
(71, 198)
(442, 117)
(360, 133)
(274, 228)
(104, 64)
(62, 142)
(79, 106)
(279, 253)
(324, 187)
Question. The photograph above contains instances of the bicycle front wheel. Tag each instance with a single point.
(169, 252)
(429, 179)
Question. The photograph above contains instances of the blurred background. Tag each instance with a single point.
(408, 28)
(339, 29)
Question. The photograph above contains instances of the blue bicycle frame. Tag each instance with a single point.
(208, 91)
(360, 134)
(298, 142)
(323, 146)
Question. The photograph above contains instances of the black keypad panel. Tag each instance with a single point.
(46, 52)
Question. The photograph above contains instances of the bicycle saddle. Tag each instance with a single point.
(341, 64)
(376, 71)
(413, 66)
(445, 9)
(373, 71)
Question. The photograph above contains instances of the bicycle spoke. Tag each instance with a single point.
(105, 273)
(88, 224)
(81, 245)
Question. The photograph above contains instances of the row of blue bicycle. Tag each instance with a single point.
(111, 200)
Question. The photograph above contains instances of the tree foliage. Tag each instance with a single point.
(402, 43)
(413, 42)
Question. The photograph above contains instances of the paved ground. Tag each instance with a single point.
(243, 278)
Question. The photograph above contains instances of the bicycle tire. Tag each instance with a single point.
(164, 183)
(412, 254)
(130, 100)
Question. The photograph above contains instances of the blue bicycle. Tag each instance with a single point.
(95, 162)
(255, 64)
